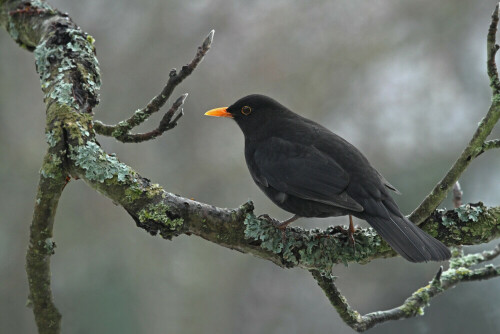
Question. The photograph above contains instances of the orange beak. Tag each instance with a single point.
(219, 112)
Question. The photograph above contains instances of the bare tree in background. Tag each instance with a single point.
(70, 79)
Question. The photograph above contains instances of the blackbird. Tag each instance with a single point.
(309, 171)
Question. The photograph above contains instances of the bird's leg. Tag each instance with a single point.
(351, 233)
(280, 225)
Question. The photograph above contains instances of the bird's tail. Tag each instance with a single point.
(406, 238)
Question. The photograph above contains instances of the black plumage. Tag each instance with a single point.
(311, 172)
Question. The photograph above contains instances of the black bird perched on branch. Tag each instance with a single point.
(311, 172)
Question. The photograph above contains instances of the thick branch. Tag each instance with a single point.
(415, 304)
(474, 148)
(121, 131)
(41, 246)
(69, 77)
(161, 212)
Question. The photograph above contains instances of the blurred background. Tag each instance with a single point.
(405, 81)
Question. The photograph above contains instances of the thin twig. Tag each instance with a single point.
(473, 259)
(491, 144)
(121, 131)
(166, 124)
(491, 50)
(475, 146)
(415, 304)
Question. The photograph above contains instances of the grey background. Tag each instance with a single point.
(404, 81)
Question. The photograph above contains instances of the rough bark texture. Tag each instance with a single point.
(70, 79)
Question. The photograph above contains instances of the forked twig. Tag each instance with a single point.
(121, 131)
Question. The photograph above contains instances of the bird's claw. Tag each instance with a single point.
(272, 220)
(353, 243)
(350, 237)
(279, 225)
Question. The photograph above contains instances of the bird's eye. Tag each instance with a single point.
(246, 110)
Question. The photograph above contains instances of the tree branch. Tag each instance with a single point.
(475, 146)
(121, 131)
(491, 144)
(414, 305)
(53, 179)
(491, 51)
(166, 124)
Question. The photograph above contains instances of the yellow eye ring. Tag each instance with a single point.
(246, 110)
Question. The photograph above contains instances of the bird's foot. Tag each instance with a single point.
(350, 233)
(278, 224)
(347, 232)
(273, 221)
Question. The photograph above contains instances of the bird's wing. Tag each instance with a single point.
(302, 171)
(387, 184)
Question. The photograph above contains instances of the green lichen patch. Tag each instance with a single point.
(121, 130)
(98, 165)
(68, 68)
(469, 212)
(412, 310)
(160, 216)
(52, 167)
(63, 93)
(140, 116)
(456, 274)
(42, 5)
(155, 212)
(59, 88)
(314, 248)
(466, 260)
(413, 305)
(52, 138)
(495, 99)
(83, 130)
(155, 190)
(339, 302)
(13, 30)
(48, 245)
(448, 222)
(467, 224)
(90, 39)
(423, 294)
(133, 193)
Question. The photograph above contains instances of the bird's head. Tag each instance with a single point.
(251, 112)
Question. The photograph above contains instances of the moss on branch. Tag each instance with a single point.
(315, 248)
(469, 224)
(41, 246)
